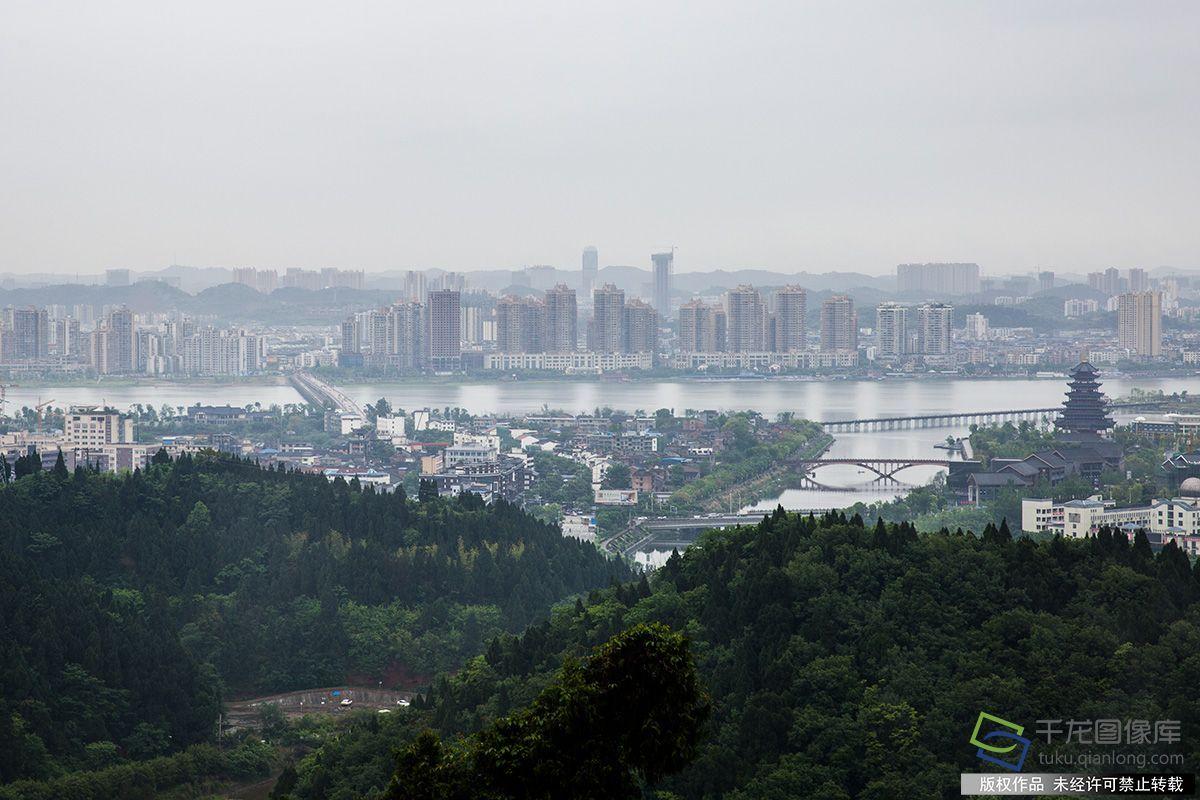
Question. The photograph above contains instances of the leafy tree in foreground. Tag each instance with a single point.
(633, 710)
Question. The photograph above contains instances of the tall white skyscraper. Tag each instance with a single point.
(977, 326)
(562, 320)
(746, 326)
(790, 310)
(591, 268)
(607, 331)
(934, 321)
(891, 331)
(415, 290)
(443, 338)
(701, 328)
(663, 265)
(839, 325)
(641, 328)
(1139, 323)
(1138, 282)
(939, 279)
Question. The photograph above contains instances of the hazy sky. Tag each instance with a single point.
(792, 136)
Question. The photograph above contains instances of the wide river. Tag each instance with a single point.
(819, 400)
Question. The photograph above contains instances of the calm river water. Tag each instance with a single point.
(820, 400)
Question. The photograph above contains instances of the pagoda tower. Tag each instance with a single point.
(1085, 410)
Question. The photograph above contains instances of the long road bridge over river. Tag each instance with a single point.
(954, 419)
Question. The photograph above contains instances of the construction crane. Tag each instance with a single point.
(39, 408)
(3, 388)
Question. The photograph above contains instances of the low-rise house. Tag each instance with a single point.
(504, 477)
(216, 415)
(365, 477)
(1087, 460)
(580, 526)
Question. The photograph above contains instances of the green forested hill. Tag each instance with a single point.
(130, 605)
(852, 662)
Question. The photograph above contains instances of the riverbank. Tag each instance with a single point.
(639, 379)
(731, 485)
(134, 381)
(663, 376)
(818, 400)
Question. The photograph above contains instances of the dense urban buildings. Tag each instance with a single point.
(1109, 281)
(387, 339)
(416, 287)
(260, 280)
(938, 279)
(520, 325)
(702, 328)
(1076, 307)
(26, 334)
(267, 280)
(537, 316)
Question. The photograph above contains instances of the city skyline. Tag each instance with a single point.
(265, 278)
(692, 400)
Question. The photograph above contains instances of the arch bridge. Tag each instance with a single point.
(885, 469)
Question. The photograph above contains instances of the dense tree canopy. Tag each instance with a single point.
(847, 661)
(632, 711)
(129, 605)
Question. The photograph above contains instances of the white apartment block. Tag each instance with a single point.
(580, 526)
(391, 427)
(568, 362)
(90, 427)
(807, 360)
(468, 454)
(1176, 519)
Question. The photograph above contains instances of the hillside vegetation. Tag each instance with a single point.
(131, 605)
(846, 661)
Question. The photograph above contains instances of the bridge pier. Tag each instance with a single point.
(936, 420)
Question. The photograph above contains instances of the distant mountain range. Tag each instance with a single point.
(208, 291)
(228, 302)
(638, 280)
(631, 279)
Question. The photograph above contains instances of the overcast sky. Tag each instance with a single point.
(792, 136)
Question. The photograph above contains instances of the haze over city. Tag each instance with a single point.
(506, 401)
(791, 137)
